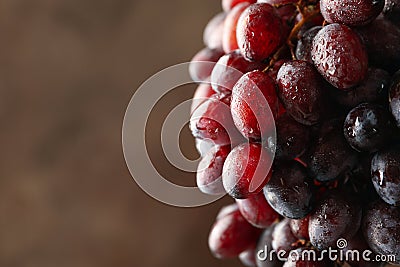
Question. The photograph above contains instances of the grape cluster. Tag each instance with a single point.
(323, 77)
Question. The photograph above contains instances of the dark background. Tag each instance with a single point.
(68, 69)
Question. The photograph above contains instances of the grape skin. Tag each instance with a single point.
(244, 173)
(304, 44)
(394, 98)
(385, 172)
(229, 69)
(336, 216)
(300, 89)
(292, 138)
(372, 90)
(229, 41)
(257, 211)
(212, 120)
(209, 171)
(331, 157)
(230, 235)
(392, 11)
(259, 32)
(212, 35)
(351, 12)
(340, 56)
(367, 127)
(250, 96)
(289, 191)
(382, 39)
(283, 238)
(381, 229)
(202, 93)
(299, 228)
(202, 64)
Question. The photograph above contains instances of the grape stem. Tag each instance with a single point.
(308, 9)
(308, 12)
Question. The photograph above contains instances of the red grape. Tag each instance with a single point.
(257, 211)
(231, 235)
(209, 171)
(229, 41)
(203, 62)
(229, 69)
(227, 5)
(259, 32)
(212, 120)
(245, 170)
(340, 56)
(283, 238)
(300, 89)
(212, 35)
(299, 228)
(203, 92)
(251, 96)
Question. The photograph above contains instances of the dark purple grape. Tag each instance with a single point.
(381, 229)
(259, 32)
(203, 62)
(300, 89)
(372, 90)
(385, 172)
(250, 96)
(382, 39)
(392, 11)
(264, 245)
(229, 69)
(306, 257)
(289, 191)
(230, 235)
(359, 180)
(340, 56)
(367, 127)
(331, 157)
(283, 238)
(212, 35)
(336, 216)
(246, 171)
(209, 171)
(292, 138)
(394, 98)
(304, 45)
(299, 228)
(257, 211)
(357, 243)
(351, 12)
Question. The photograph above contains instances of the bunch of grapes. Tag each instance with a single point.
(323, 77)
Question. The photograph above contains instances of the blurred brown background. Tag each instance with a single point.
(67, 71)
